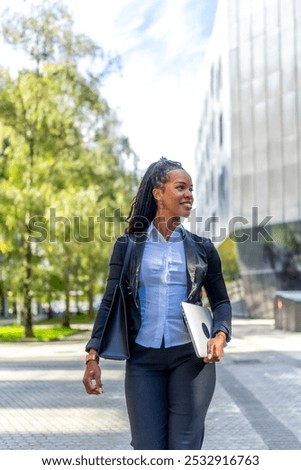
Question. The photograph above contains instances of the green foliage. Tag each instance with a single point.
(62, 163)
(228, 254)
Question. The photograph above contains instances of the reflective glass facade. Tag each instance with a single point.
(263, 60)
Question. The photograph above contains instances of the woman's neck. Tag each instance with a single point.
(166, 225)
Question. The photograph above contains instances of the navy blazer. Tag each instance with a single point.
(203, 270)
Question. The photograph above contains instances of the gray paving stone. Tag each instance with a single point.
(256, 404)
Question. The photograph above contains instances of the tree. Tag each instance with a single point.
(228, 254)
(54, 126)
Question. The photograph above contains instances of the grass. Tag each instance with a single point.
(76, 319)
(43, 330)
(15, 333)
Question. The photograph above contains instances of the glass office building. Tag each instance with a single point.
(248, 154)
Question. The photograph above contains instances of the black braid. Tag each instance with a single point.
(144, 207)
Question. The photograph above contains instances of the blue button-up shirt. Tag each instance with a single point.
(162, 287)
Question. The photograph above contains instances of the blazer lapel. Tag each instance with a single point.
(136, 260)
(191, 262)
(196, 269)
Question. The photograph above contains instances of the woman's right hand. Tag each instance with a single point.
(92, 379)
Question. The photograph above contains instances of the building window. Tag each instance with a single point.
(212, 80)
(221, 130)
(207, 149)
(222, 194)
(213, 225)
(213, 128)
(207, 192)
(218, 80)
(219, 75)
(212, 182)
(205, 108)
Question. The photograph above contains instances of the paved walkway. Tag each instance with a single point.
(256, 403)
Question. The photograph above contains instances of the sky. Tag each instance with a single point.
(157, 94)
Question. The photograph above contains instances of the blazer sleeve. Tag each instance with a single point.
(217, 294)
(115, 268)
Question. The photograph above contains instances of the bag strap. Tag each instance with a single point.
(126, 260)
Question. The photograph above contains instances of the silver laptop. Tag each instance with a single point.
(198, 320)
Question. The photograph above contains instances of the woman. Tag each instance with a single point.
(168, 389)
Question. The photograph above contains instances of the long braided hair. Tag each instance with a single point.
(143, 208)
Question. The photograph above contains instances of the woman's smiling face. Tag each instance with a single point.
(174, 198)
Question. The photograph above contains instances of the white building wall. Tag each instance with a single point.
(258, 44)
(213, 150)
(265, 97)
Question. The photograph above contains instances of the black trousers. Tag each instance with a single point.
(168, 392)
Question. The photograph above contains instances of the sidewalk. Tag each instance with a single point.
(256, 403)
(257, 399)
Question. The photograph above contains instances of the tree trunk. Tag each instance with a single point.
(50, 312)
(66, 316)
(28, 330)
(3, 303)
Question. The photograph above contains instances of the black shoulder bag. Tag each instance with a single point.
(114, 342)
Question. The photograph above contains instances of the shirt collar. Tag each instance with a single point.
(154, 235)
